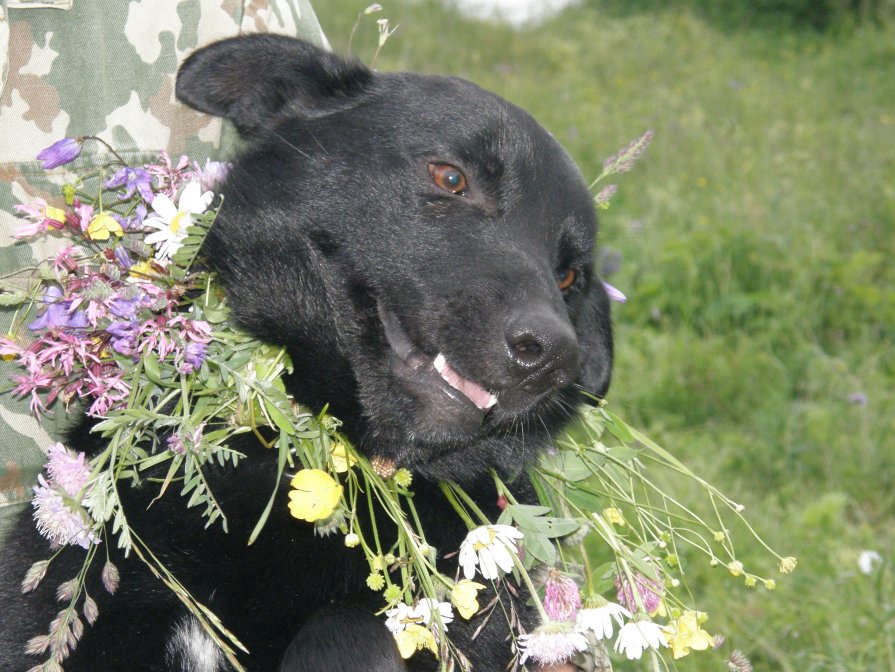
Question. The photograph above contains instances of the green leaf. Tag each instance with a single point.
(617, 427)
(567, 463)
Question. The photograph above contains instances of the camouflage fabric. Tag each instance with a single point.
(70, 68)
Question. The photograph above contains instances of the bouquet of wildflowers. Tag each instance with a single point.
(130, 328)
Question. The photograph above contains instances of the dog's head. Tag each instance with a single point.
(423, 247)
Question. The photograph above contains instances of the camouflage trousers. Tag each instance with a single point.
(71, 68)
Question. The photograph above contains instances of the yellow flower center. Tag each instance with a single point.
(175, 223)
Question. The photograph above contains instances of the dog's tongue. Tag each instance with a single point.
(477, 394)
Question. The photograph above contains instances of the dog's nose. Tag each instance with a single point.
(543, 349)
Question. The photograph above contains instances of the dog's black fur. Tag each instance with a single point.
(337, 240)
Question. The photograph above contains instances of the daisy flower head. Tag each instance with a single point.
(171, 221)
(598, 615)
(422, 613)
(637, 636)
(490, 548)
(551, 644)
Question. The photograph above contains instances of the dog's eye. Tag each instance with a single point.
(448, 177)
(566, 278)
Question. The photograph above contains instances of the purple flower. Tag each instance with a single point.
(561, 598)
(68, 473)
(124, 337)
(57, 314)
(131, 180)
(56, 521)
(857, 398)
(67, 470)
(649, 593)
(213, 174)
(193, 356)
(60, 152)
(124, 259)
(613, 293)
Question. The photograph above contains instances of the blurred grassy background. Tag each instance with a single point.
(756, 241)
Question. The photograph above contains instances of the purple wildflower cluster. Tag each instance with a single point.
(68, 476)
(112, 300)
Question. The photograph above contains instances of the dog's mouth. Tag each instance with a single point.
(422, 369)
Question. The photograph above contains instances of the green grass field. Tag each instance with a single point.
(757, 239)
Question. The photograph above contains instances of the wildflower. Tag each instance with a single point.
(551, 644)
(375, 581)
(132, 180)
(770, 584)
(647, 593)
(606, 193)
(423, 613)
(403, 477)
(489, 547)
(352, 540)
(787, 565)
(172, 221)
(41, 216)
(464, 596)
(342, 460)
(598, 615)
(315, 496)
(857, 399)
(103, 226)
(614, 516)
(60, 152)
(392, 594)
(56, 521)
(57, 313)
(67, 471)
(623, 161)
(212, 174)
(415, 638)
(735, 567)
(561, 598)
(738, 662)
(192, 357)
(637, 636)
(867, 560)
(684, 634)
(613, 293)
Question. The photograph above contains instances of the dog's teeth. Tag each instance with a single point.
(491, 402)
(439, 363)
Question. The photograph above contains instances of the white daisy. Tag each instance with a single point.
(422, 613)
(489, 547)
(599, 619)
(637, 636)
(171, 221)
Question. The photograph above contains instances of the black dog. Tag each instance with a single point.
(425, 250)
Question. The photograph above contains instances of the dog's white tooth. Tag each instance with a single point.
(491, 402)
(439, 362)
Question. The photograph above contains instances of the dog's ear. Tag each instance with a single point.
(594, 328)
(250, 79)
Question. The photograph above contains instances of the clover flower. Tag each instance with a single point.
(60, 152)
(561, 597)
(637, 636)
(172, 221)
(551, 644)
(646, 593)
(597, 616)
(489, 547)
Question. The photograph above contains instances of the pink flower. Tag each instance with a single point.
(56, 521)
(561, 599)
(649, 593)
(67, 470)
(551, 644)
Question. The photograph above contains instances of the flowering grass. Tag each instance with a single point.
(756, 245)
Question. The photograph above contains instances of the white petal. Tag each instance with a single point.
(501, 555)
(487, 566)
(164, 206)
